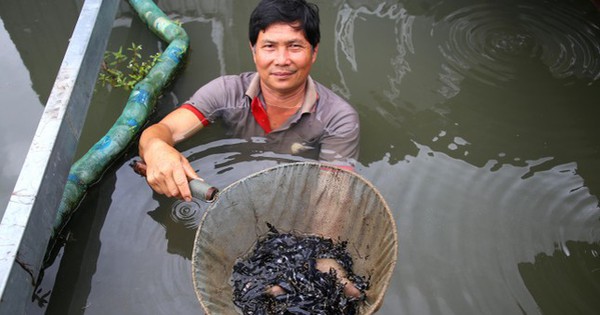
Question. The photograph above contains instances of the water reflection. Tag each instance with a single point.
(345, 46)
(565, 282)
(214, 13)
(465, 231)
(180, 220)
(16, 127)
(32, 44)
(40, 31)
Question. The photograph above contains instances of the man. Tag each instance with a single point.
(279, 102)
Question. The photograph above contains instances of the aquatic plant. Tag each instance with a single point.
(125, 69)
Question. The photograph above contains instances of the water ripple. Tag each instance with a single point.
(474, 240)
(187, 213)
(492, 42)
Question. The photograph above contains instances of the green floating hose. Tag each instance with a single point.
(140, 104)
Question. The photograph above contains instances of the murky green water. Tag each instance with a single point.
(479, 127)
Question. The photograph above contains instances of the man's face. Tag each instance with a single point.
(283, 58)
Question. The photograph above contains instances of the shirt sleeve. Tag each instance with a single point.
(214, 96)
(340, 143)
(196, 112)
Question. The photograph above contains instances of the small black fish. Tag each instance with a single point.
(281, 276)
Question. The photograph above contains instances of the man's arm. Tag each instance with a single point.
(168, 170)
(340, 145)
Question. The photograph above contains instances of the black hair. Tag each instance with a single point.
(268, 12)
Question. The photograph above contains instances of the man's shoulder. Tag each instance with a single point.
(332, 101)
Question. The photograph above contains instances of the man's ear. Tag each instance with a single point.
(315, 52)
(253, 50)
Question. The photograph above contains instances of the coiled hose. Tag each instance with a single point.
(89, 168)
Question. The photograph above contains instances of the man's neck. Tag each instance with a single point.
(283, 100)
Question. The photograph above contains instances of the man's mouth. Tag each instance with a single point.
(282, 74)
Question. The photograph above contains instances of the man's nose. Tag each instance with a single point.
(282, 57)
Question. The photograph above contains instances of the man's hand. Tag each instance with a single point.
(167, 170)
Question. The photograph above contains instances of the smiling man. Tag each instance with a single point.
(279, 102)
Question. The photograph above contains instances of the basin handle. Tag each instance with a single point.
(199, 188)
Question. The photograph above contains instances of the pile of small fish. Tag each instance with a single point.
(292, 274)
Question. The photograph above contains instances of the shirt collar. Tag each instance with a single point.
(310, 98)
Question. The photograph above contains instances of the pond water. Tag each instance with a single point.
(33, 39)
(478, 126)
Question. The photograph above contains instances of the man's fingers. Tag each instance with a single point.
(189, 171)
(155, 183)
(163, 182)
(171, 189)
(169, 176)
(181, 184)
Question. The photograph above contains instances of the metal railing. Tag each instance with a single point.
(29, 217)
